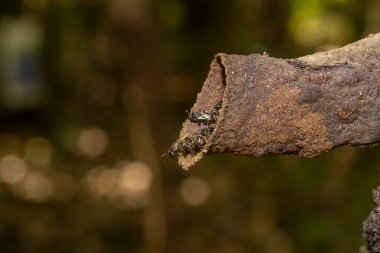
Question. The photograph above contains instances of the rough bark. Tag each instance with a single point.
(304, 106)
(371, 226)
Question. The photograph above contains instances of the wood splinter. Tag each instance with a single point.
(304, 106)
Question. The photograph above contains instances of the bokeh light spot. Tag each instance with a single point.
(93, 141)
(307, 31)
(36, 187)
(102, 180)
(135, 181)
(194, 191)
(12, 169)
(322, 28)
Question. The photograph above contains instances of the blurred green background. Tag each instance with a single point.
(93, 92)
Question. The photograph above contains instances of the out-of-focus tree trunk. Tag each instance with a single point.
(133, 23)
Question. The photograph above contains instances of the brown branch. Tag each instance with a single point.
(304, 106)
(371, 226)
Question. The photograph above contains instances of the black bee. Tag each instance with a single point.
(206, 118)
(200, 117)
(173, 151)
(206, 132)
(184, 146)
(215, 112)
(214, 116)
(188, 146)
(218, 106)
(201, 139)
(177, 148)
(199, 142)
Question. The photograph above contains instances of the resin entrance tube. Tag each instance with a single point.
(302, 106)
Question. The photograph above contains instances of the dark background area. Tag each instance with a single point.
(92, 93)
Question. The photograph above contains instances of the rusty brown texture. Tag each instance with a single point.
(303, 106)
(371, 226)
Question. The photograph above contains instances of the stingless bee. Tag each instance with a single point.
(200, 117)
(203, 117)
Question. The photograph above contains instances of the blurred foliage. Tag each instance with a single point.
(93, 92)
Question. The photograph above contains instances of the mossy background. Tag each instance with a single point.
(93, 92)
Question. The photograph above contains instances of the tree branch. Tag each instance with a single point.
(304, 106)
(371, 226)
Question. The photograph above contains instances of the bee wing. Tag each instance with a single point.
(204, 116)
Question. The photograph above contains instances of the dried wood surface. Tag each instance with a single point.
(371, 226)
(304, 106)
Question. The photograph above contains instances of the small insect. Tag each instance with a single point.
(185, 146)
(199, 142)
(201, 139)
(206, 132)
(200, 117)
(173, 151)
(176, 149)
(215, 112)
(214, 116)
(204, 117)
(188, 146)
(218, 106)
